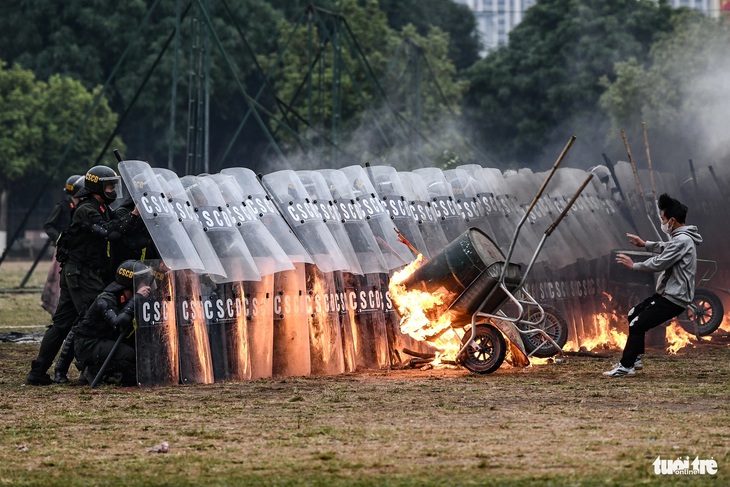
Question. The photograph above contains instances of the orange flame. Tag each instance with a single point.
(415, 306)
(171, 324)
(603, 331)
(725, 325)
(202, 346)
(677, 338)
(240, 348)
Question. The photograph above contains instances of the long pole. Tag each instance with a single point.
(532, 205)
(651, 172)
(638, 185)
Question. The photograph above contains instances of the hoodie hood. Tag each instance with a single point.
(689, 230)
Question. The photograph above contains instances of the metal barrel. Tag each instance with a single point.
(464, 273)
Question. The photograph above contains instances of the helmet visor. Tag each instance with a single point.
(112, 188)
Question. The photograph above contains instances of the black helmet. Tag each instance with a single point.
(128, 270)
(97, 179)
(69, 189)
(78, 185)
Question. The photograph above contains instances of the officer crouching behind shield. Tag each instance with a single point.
(112, 314)
(86, 266)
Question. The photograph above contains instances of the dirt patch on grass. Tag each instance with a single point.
(559, 423)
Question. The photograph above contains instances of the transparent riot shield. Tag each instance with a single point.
(221, 229)
(259, 298)
(499, 211)
(707, 201)
(390, 188)
(259, 202)
(641, 210)
(265, 250)
(394, 251)
(157, 210)
(225, 318)
(346, 321)
(196, 365)
(591, 239)
(608, 224)
(443, 202)
(359, 233)
(609, 200)
(325, 340)
(364, 296)
(292, 200)
(325, 325)
(465, 194)
(417, 197)
(277, 310)
(522, 186)
(319, 195)
(156, 337)
(183, 208)
(291, 356)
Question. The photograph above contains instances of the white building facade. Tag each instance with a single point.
(495, 18)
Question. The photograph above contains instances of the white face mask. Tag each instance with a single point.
(666, 229)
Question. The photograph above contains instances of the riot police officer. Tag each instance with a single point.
(86, 267)
(57, 222)
(60, 217)
(112, 314)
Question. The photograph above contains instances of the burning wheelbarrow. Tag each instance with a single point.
(470, 297)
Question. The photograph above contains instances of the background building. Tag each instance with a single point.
(496, 18)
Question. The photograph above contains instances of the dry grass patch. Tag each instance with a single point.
(555, 424)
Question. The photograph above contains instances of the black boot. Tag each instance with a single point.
(36, 376)
(60, 377)
(64, 360)
(85, 377)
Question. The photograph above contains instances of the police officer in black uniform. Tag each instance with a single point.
(136, 244)
(86, 269)
(112, 313)
(60, 217)
(57, 222)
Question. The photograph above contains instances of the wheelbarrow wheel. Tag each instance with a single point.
(486, 353)
(705, 312)
(554, 324)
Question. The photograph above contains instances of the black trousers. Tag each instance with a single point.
(94, 351)
(650, 313)
(79, 288)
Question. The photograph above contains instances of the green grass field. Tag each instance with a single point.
(556, 424)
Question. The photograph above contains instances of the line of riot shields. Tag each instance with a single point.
(287, 274)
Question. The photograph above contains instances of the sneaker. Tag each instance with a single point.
(619, 371)
(638, 365)
(60, 378)
(38, 379)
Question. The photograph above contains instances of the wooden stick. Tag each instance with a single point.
(648, 159)
(633, 166)
(408, 244)
(638, 184)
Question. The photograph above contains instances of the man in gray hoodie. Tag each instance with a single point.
(675, 287)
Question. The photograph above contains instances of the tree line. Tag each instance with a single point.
(397, 82)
